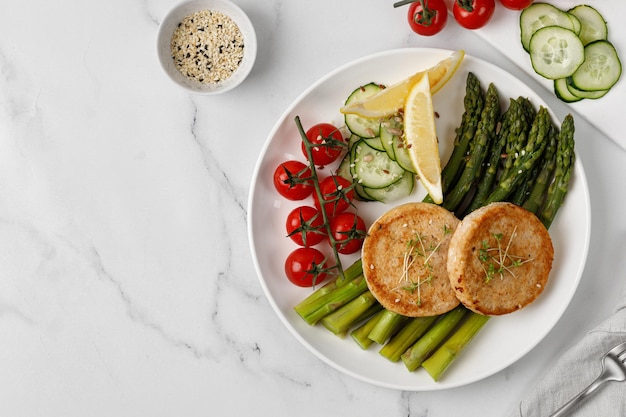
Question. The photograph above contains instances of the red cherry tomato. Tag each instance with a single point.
(516, 4)
(292, 180)
(348, 231)
(427, 17)
(305, 226)
(337, 195)
(473, 14)
(329, 141)
(305, 267)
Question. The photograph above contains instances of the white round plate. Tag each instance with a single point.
(504, 339)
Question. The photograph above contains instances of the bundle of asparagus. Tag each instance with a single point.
(518, 156)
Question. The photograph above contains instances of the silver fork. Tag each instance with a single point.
(613, 369)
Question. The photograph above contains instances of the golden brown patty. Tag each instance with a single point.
(499, 259)
(405, 257)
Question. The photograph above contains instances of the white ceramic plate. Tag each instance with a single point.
(504, 339)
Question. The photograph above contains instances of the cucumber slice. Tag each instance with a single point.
(556, 52)
(344, 170)
(584, 94)
(593, 24)
(388, 135)
(563, 93)
(394, 192)
(539, 15)
(372, 168)
(365, 128)
(577, 25)
(386, 139)
(601, 68)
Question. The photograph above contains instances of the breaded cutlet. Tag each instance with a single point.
(405, 259)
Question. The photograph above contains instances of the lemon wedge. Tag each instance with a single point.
(387, 102)
(421, 137)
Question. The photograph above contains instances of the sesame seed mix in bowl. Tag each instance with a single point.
(207, 46)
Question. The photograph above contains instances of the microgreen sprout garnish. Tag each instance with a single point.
(418, 249)
(340, 194)
(497, 261)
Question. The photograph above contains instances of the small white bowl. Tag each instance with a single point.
(170, 23)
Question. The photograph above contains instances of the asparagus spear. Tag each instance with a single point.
(387, 325)
(474, 102)
(416, 354)
(536, 197)
(439, 361)
(407, 336)
(484, 135)
(527, 158)
(565, 159)
(333, 300)
(514, 113)
(361, 333)
(342, 319)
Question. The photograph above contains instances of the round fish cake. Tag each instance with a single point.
(499, 259)
(405, 260)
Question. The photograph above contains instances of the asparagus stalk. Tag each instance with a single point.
(388, 324)
(407, 336)
(527, 158)
(339, 321)
(517, 134)
(537, 193)
(484, 135)
(333, 300)
(439, 361)
(422, 348)
(474, 102)
(361, 334)
(489, 176)
(565, 159)
(311, 303)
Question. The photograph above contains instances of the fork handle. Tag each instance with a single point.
(568, 406)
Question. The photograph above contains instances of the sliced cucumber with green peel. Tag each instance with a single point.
(554, 39)
(365, 128)
(596, 94)
(390, 133)
(601, 68)
(556, 52)
(540, 15)
(344, 171)
(372, 168)
(593, 25)
(562, 91)
(397, 190)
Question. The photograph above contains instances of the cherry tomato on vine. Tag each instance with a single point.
(292, 180)
(328, 140)
(337, 195)
(473, 14)
(305, 267)
(427, 17)
(305, 226)
(349, 231)
(516, 4)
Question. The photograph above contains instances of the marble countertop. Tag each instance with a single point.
(126, 282)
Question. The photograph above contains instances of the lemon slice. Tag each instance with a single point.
(421, 137)
(388, 101)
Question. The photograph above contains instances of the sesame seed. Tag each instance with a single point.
(207, 46)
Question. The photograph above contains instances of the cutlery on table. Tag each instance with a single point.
(613, 369)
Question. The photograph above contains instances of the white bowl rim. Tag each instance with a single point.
(185, 8)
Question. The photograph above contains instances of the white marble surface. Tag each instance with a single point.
(126, 283)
